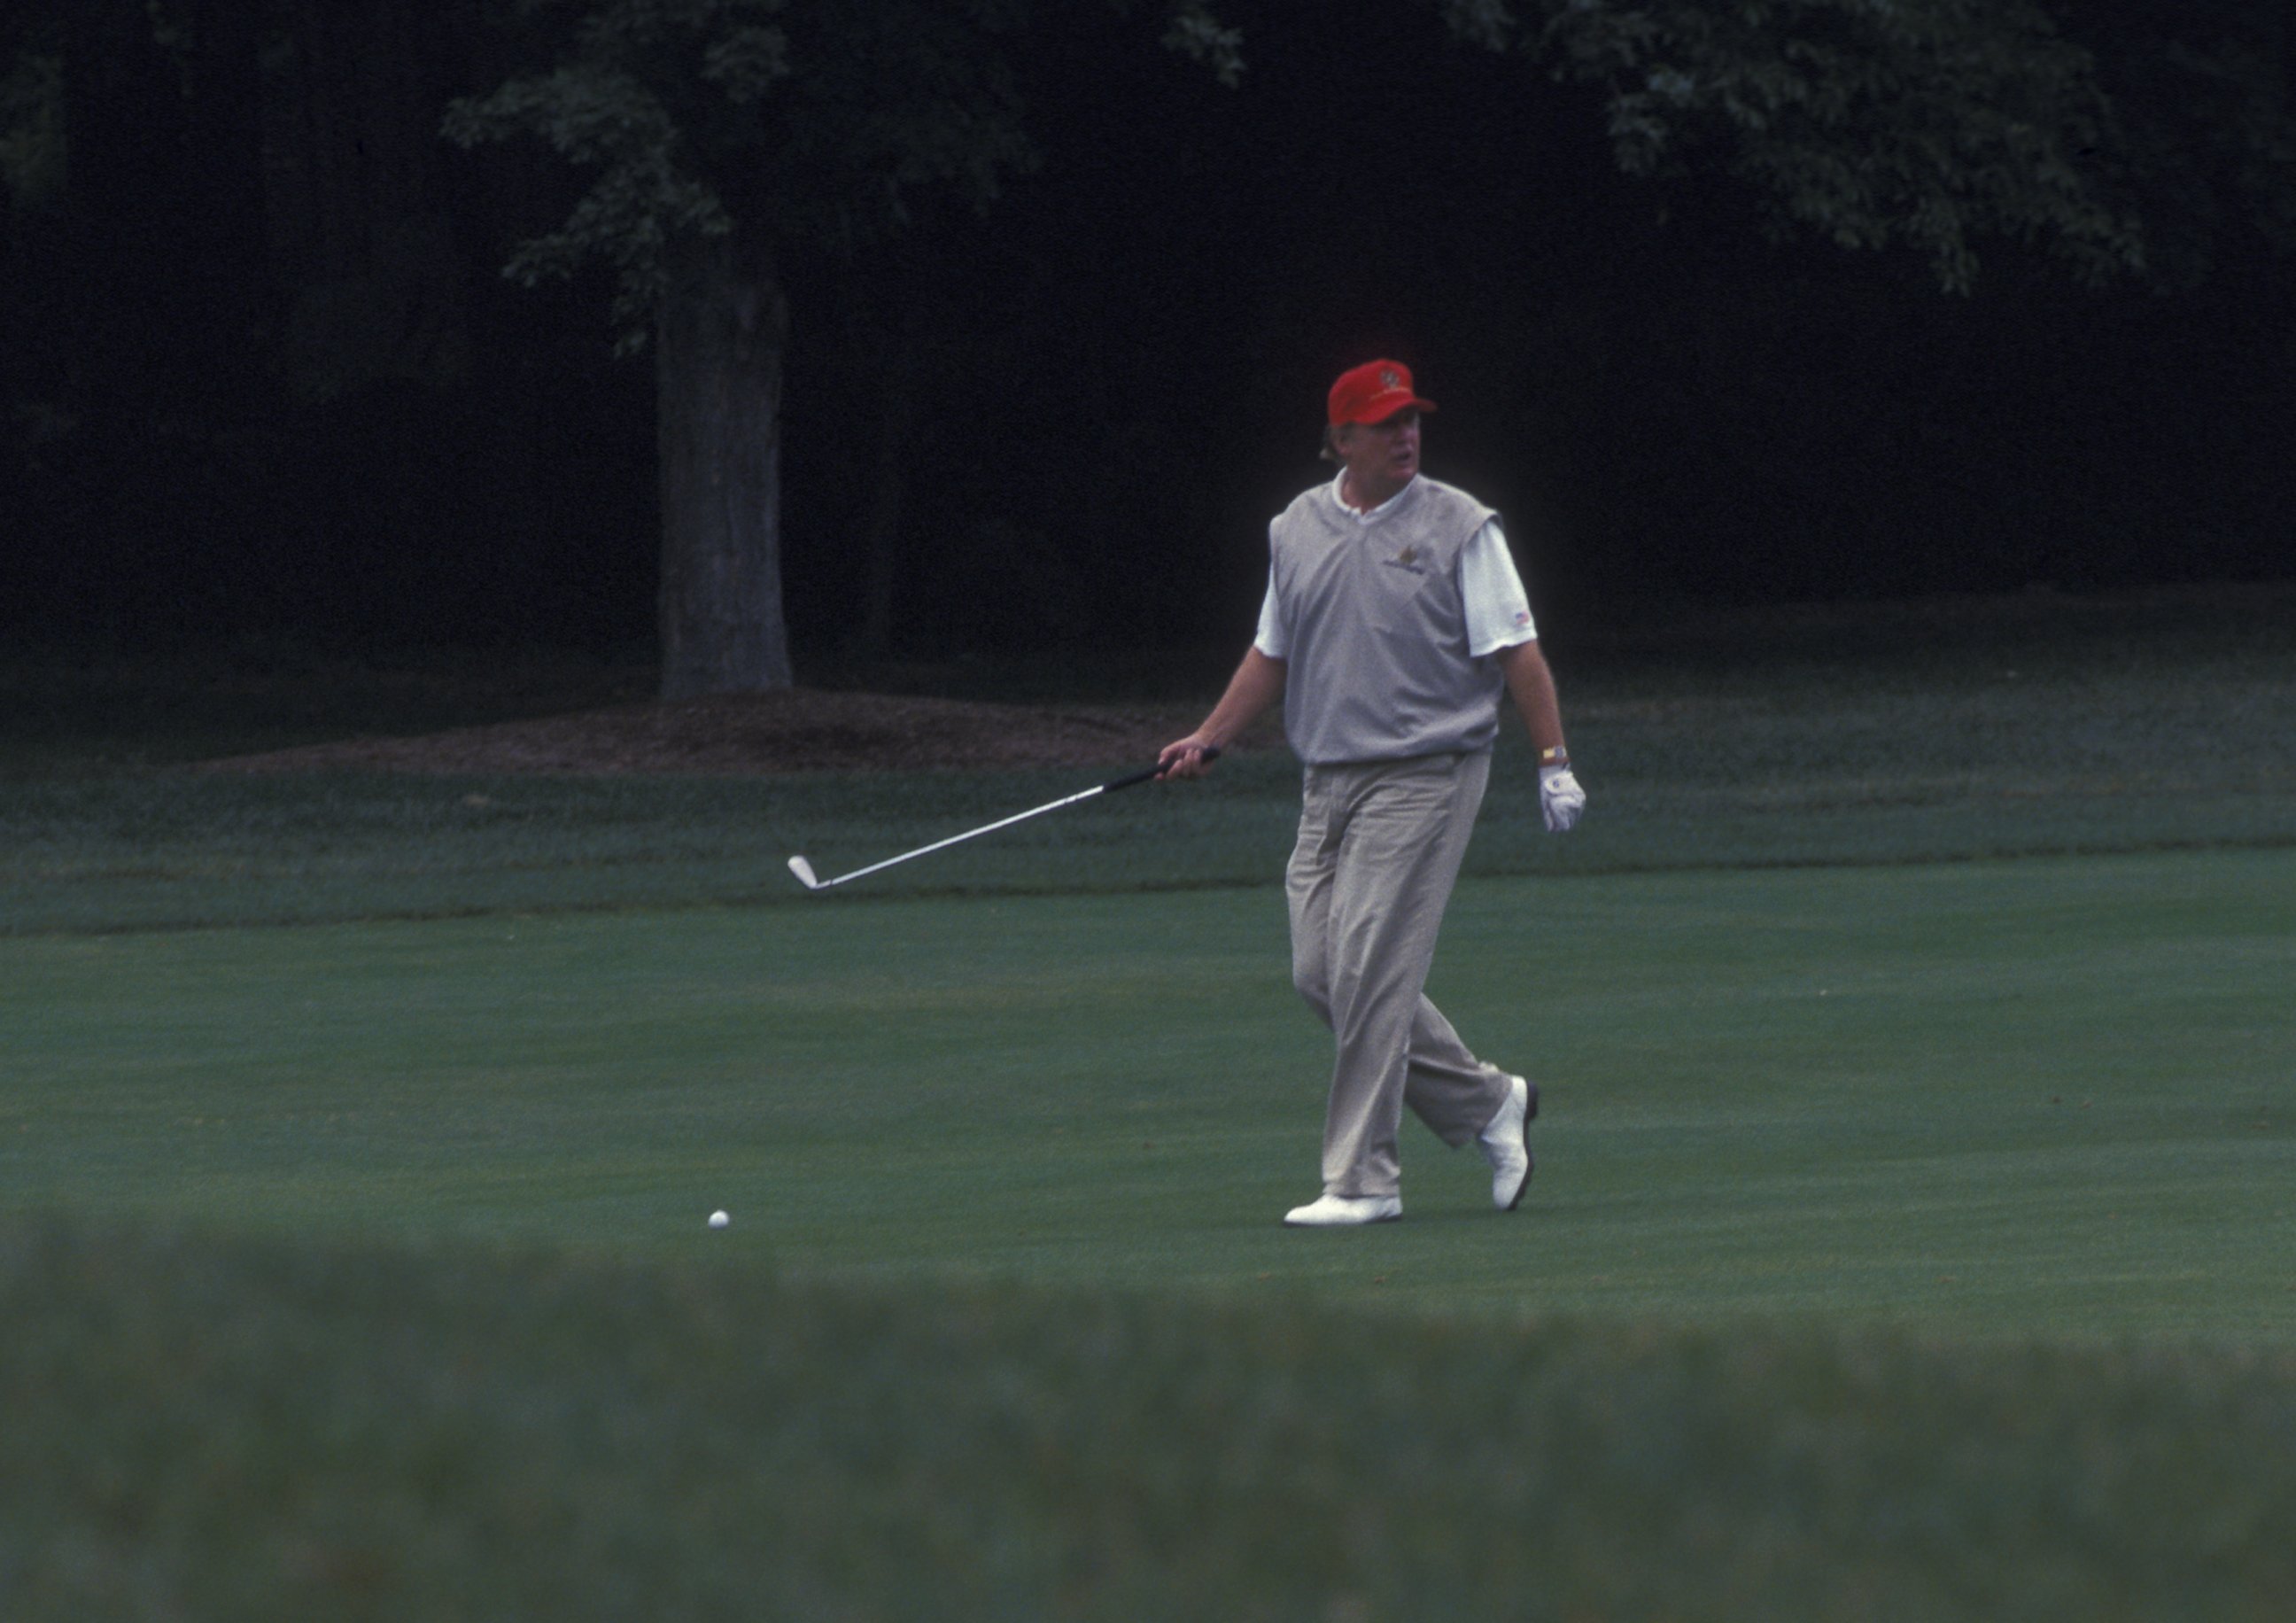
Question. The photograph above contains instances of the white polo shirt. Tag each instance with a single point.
(1497, 609)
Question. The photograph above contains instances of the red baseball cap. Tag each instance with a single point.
(1373, 392)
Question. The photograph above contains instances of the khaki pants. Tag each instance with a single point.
(1380, 847)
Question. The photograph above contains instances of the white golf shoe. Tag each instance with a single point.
(1344, 1210)
(1507, 1144)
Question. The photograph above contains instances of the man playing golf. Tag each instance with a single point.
(1393, 620)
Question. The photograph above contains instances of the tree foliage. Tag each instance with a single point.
(1925, 125)
(707, 118)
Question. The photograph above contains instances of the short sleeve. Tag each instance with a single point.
(1269, 639)
(1497, 609)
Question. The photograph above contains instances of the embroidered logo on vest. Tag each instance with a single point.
(1410, 558)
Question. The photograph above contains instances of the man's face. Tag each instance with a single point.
(1381, 457)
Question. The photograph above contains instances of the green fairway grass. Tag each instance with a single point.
(2004, 1098)
(1914, 1234)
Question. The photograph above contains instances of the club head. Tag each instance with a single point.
(804, 872)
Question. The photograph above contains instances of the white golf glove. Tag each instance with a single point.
(1560, 798)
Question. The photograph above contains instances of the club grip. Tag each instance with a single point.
(1150, 775)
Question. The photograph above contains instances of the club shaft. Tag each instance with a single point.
(972, 833)
(1145, 776)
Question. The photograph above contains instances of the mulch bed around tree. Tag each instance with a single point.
(800, 730)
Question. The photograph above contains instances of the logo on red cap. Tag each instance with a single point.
(1373, 392)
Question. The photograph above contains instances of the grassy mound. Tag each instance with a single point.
(237, 1427)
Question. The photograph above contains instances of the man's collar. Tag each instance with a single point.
(1339, 495)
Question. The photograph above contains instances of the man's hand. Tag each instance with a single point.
(1186, 757)
(1560, 798)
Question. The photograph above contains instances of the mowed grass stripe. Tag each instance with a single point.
(1996, 1099)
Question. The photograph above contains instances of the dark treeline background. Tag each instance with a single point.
(262, 377)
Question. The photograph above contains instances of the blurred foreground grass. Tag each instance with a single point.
(230, 1429)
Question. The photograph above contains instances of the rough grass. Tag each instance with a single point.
(1902, 736)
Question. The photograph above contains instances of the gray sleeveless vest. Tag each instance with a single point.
(1376, 661)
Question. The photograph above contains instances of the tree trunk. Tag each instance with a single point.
(879, 525)
(718, 364)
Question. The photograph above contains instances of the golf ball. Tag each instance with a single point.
(718, 1219)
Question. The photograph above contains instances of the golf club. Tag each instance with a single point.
(803, 869)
